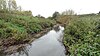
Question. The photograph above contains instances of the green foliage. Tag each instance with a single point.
(8, 5)
(82, 36)
(68, 12)
(20, 26)
(55, 15)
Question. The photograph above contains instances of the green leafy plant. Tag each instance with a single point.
(82, 36)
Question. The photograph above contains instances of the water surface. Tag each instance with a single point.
(47, 45)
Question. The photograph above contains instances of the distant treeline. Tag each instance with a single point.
(10, 6)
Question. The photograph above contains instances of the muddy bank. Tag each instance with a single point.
(11, 45)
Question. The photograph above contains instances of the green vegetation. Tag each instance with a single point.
(20, 26)
(17, 26)
(82, 32)
(82, 35)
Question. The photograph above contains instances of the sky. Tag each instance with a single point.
(48, 7)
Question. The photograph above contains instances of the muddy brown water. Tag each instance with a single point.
(47, 45)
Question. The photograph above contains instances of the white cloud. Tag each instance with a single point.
(47, 7)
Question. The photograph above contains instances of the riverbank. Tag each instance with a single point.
(17, 31)
(10, 46)
(82, 35)
(49, 42)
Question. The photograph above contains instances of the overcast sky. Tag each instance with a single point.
(48, 7)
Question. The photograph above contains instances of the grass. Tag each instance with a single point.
(82, 36)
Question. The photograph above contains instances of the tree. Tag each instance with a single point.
(39, 16)
(68, 12)
(55, 15)
(3, 4)
(0, 4)
(14, 5)
(9, 6)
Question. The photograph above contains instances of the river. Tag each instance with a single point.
(47, 45)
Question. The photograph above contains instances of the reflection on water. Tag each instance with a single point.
(47, 45)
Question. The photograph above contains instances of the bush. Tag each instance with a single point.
(20, 26)
(82, 36)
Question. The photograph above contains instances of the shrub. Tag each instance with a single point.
(82, 36)
(20, 26)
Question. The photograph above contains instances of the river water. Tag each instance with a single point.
(47, 45)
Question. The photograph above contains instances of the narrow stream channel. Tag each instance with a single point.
(47, 45)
